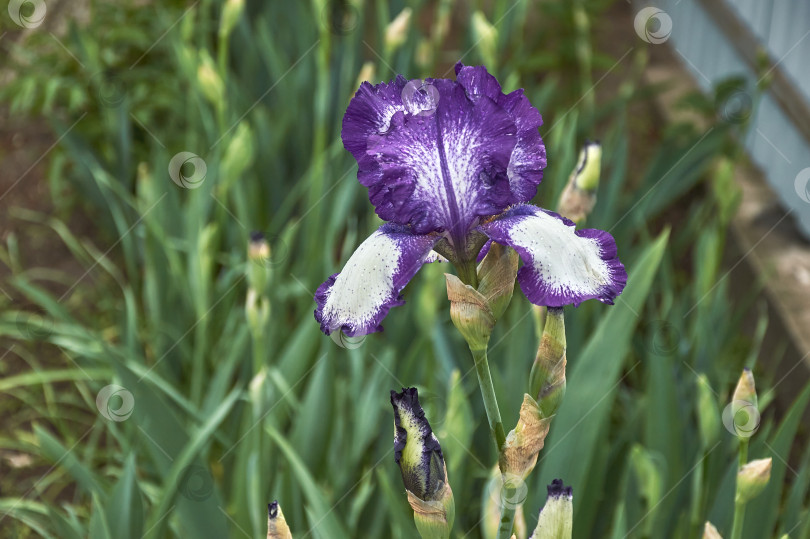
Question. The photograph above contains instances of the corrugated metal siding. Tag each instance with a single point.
(783, 28)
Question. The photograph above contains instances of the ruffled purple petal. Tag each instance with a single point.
(370, 113)
(561, 265)
(528, 159)
(439, 154)
(442, 170)
(356, 300)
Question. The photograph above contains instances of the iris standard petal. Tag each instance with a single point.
(561, 265)
(369, 113)
(356, 300)
(526, 164)
(442, 170)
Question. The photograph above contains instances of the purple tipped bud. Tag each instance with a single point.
(416, 448)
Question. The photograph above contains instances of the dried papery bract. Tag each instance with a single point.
(276, 524)
(524, 442)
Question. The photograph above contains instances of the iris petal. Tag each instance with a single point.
(443, 170)
(528, 159)
(561, 265)
(356, 300)
(438, 154)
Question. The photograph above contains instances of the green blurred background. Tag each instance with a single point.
(113, 274)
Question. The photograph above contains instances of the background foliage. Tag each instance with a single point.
(227, 418)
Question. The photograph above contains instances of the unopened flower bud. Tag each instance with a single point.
(746, 390)
(710, 532)
(547, 377)
(708, 414)
(276, 525)
(486, 36)
(209, 80)
(396, 33)
(258, 269)
(238, 157)
(752, 479)
(419, 456)
(579, 196)
(231, 12)
(470, 312)
(557, 516)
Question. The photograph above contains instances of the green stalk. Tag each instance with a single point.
(488, 394)
(496, 427)
(739, 508)
(468, 274)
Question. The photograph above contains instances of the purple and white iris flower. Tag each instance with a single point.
(451, 165)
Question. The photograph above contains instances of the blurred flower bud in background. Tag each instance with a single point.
(231, 12)
(579, 196)
(752, 479)
(486, 36)
(396, 33)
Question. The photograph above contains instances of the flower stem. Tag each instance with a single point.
(488, 394)
(739, 508)
(496, 426)
(469, 275)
